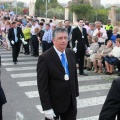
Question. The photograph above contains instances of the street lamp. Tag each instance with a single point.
(16, 6)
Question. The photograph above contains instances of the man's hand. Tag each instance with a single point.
(50, 114)
(12, 42)
(75, 49)
(22, 40)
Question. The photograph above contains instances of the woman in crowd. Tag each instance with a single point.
(114, 35)
(93, 49)
(8, 26)
(27, 36)
(113, 58)
(101, 52)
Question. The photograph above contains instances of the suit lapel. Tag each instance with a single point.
(56, 60)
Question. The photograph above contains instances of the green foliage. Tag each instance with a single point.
(20, 4)
(53, 8)
(87, 12)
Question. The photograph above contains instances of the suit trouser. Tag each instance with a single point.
(80, 59)
(118, 65)
(70, 114)
(46, 45)
(35, 45)
(15, 51)
(26, 47)
(0, 112)
(68, 45)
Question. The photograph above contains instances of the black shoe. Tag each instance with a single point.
(88, 69)
(15, 63)
(118, 74)
(83, 74)
(35, 55)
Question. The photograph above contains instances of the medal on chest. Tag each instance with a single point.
(66, 77)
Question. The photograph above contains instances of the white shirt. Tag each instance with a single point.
(101, 38)
(59, 53)
(115, 52)
(33, 29)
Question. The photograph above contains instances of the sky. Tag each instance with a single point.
(65, 1)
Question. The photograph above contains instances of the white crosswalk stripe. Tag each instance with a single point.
(23, 75)
(24, 58)
(21, 63)
(21, 68)
(88, 88)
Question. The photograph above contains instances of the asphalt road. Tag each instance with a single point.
(19, 84)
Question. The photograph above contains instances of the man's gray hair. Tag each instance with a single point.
(92, 24)
(59, 30)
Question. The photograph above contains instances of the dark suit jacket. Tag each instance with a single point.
(82, 42)
(11, 35)
(111, 107)
(2, 95)
(54, 91)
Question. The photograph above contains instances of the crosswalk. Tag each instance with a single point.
(93, 88)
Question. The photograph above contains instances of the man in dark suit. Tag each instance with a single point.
(79, 34)
(57, 79)
(2, 95)
(111, 107)
(15, 35)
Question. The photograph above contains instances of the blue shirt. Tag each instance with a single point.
(47, 36)
(15, 33)
(113, 38)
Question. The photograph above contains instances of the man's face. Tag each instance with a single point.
(80, 23)
(92, 27)
(60, 41)
(66, 23)
(47, 27)
(14, 25)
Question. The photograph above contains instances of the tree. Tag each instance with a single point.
(82, 10)
(20, 4)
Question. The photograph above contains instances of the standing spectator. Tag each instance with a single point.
(44, 25)
(100, 33)
(34, 39)
(14, 35)
(109, 28)
(79, 33)
(86, 26)
(27, 36)
(69, 30)
(90, 32)
(55, 21)
(47, 38)
(51, 24)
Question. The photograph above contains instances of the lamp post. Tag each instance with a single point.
(46, 9)
(16, 7)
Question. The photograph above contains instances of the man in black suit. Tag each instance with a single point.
(2, 95)
(79, 34)
(57, 79)
(15, 35)
(111, 107)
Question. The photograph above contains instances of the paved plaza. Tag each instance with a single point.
(20, 86)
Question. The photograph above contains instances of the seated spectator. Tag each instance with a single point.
(93, 49)
(113, 58)
(114, 35)
(101, 52)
